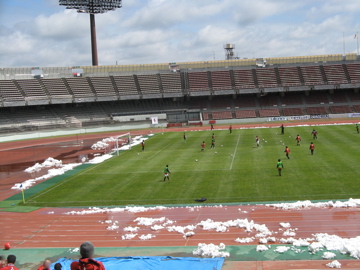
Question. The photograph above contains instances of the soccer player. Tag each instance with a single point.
(212, 126)
(203, 146)
(166, 173)
(298, 140)
(314, 133)
(279, 166)
(282, 129)
(257, 140)
(143, 145)
(212, 143)
(287, 152)
(213, 136)
(184, 137)
(312, 148)
(230, 129)
(357, 128)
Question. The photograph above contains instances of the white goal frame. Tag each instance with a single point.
(128, 135)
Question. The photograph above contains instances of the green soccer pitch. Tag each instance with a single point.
(235, 171)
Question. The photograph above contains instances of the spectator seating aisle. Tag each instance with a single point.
(266, 77)
(221, 80)
(312, 75)
(244, 79)
(335, 74)
(289, 76)
(198, 81)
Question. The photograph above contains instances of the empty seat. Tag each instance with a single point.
(126, 85)
(221, 80)
(316, 98)
(269, 112)
(80, 87)
(289, 76)
(340, 109)
(103, 86)
(32, 88)
(55, 87)
(312, 75)
(244, 79)
(317, 110)
(245, 101)
(245, 114)
(222, 115)
(171, 83)
(266, 77)
(9, 91)
(292, 111)
(354, 72)
(149, 84)
(335, 74)
(198, 81)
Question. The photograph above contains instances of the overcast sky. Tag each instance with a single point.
(42, 33)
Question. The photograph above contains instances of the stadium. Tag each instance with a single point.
(83, 151)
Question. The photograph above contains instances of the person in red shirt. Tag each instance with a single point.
(312, 148)
(87, 262)
(230, 129)
(298, 139)
(203, 146)
(46, 265)
(287, 152)
(11, 259)
(143, 145)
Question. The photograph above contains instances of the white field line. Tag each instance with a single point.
(237, 143)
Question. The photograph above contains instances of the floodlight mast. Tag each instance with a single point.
(92, 7)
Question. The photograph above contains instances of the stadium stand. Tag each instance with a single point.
(316, 98)
(268, 101)
(56, 88)
(316, 110)
(266, 77)
(206, 116)
(222, 115)
(199, 103)
(80, 87)
(244, 79)
(126, 85)
(292, 111)
(292, 99)
(339, 97)
(198, 81)
(171, 83)
(354, 72)
(149, 84)
(221, 80)
(245, 101)
(357, 108)
(340, 109)
(103, 86)
(289, 76)
(221, 102)
(9, 91)
(335, 74)
(354, 97)
(245, 114)
(312, 75)
(32, 88)
(269, 112)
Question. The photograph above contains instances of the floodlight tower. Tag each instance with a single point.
(92, 7)
(229, 51)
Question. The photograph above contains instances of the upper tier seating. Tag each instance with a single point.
(312, 75)
(244, 79)
(221, 80)
(335, 74)
(289, 76)
(266, 77)
(126, 85)
(198, 81)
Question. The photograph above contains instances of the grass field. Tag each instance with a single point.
(238, 172)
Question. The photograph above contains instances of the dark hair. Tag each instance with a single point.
(279, 159)
(311, 142)
(58, 266)
(11, 259)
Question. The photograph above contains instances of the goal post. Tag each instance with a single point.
(122, 140)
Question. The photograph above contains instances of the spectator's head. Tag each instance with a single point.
(87, 250)
(58, 266)
(11, 259)
(47, 264)
(2, 261)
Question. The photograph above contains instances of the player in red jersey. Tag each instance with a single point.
(203, 146)
(298, 139)
(312, 148)
(287, 152)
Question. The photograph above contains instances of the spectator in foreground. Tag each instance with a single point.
(87, 262)
(11, 259)
(45, 266)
